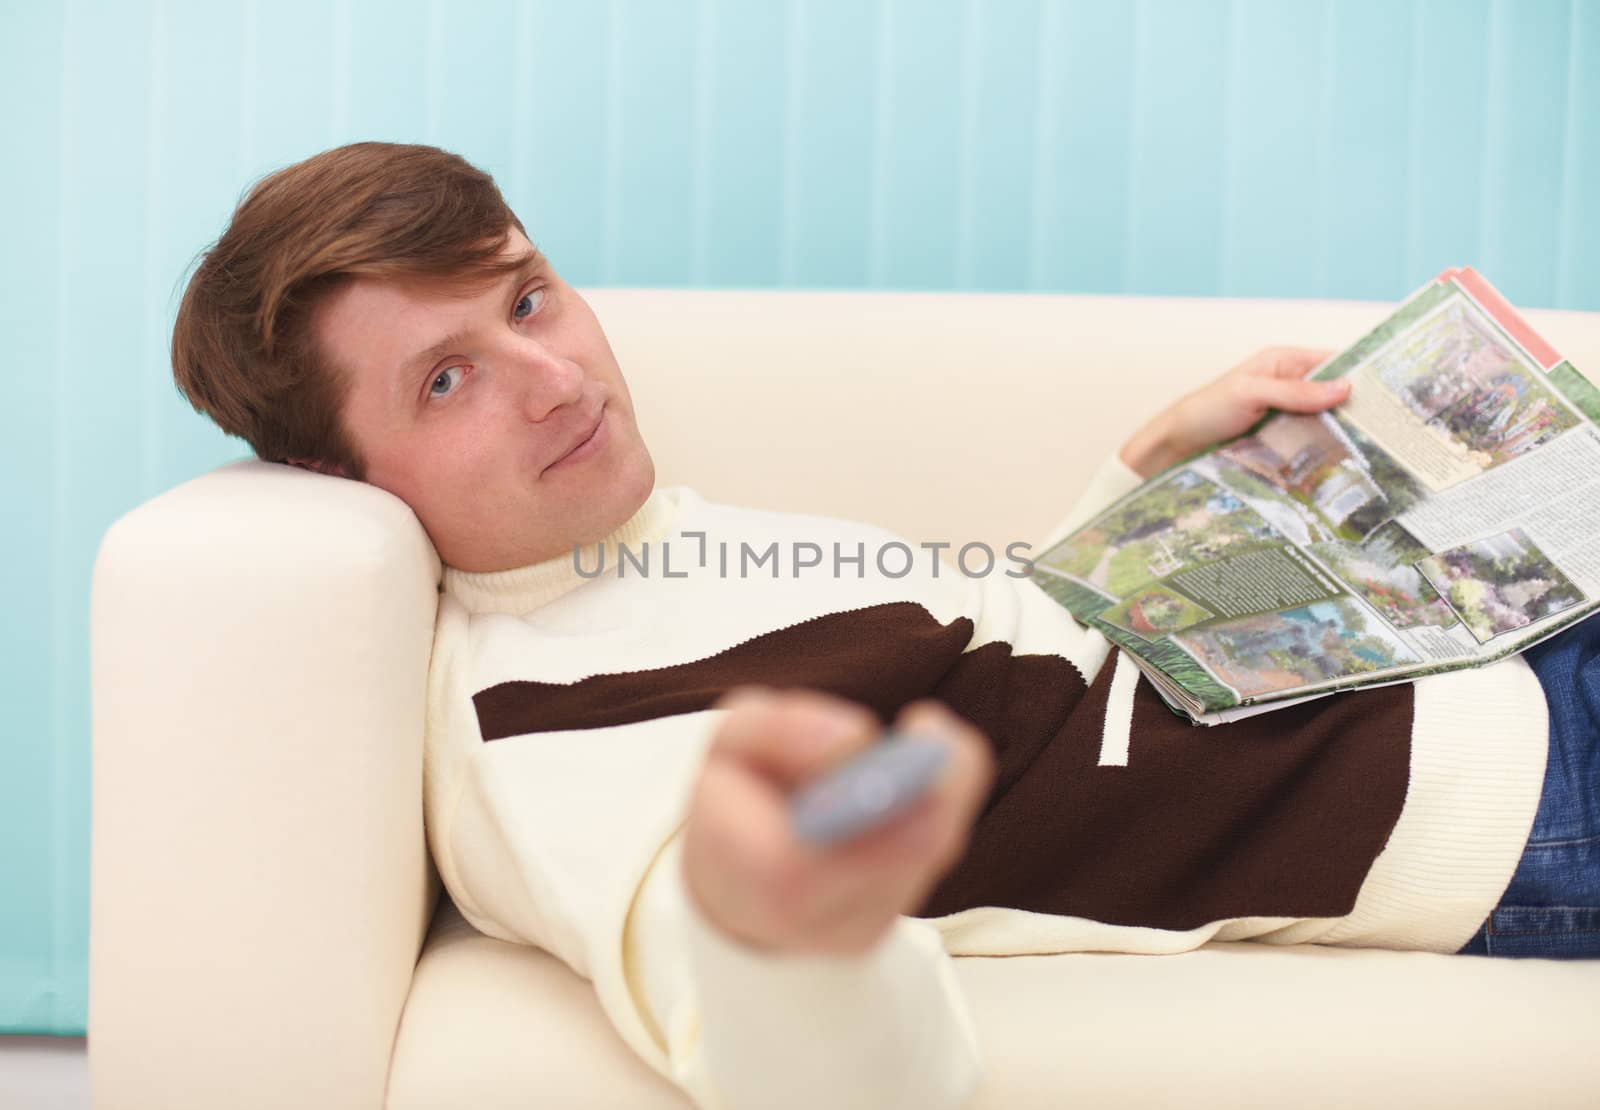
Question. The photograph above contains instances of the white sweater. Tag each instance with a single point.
(569, 713)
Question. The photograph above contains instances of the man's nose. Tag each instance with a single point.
(543, 380)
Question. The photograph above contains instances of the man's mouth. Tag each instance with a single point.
(587, 438)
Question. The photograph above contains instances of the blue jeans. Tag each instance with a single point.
(1552, 906)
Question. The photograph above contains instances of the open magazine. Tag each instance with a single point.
(1446, 515)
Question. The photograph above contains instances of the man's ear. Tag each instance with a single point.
(320, 467)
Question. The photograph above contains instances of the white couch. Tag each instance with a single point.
(266, 926)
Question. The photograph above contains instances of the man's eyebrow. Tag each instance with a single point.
(531, 263)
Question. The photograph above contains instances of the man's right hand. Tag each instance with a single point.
(1274, 378)
(756, 881)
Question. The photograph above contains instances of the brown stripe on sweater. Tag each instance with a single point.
(1279, 815)
(1276, 815)
(882, 656)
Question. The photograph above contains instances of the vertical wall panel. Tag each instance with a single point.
(1527, 133)
(101, 326)
(1083, 160)
(1274, 186)
(212, 151)
(149, 366)
(1175, 208)
(1446, 138)
(1345, 148)
(294, 76)
(1579, 281)
(474, 58)
(742, 96)
(655, 86)
(564, 208)
(386, 70)
(31, 998)
(918, 231)
(1363, 220)
(829, 227)
(997, 215)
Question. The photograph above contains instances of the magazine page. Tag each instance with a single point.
(1448, 513)
(1497, 433)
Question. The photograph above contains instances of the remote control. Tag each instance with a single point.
(868, 790)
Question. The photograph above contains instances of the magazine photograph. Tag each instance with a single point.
(1447, 514)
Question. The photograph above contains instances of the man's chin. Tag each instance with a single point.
(636, 481)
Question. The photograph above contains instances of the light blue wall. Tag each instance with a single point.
(1327, 148)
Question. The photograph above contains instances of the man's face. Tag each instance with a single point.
(468, 407)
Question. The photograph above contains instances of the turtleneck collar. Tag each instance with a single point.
(523, 589)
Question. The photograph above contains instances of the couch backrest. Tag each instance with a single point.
(943, 416)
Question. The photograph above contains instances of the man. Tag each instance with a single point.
(608, 759)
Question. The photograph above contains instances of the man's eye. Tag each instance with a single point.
(439, 378)
(533, 298)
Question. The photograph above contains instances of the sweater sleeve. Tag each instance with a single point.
(1112, 479)
(741, 1028)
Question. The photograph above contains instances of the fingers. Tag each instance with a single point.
(743, 821)
(938, 831)
(793, 735)
(1291, 362)
(972, 768)
(759, 883)
(866, 883)
(968, 777)
(1294, 394)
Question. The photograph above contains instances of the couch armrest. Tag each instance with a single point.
(260, 883)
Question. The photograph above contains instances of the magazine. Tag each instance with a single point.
(1445, 515)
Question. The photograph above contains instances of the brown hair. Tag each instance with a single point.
(243, 351)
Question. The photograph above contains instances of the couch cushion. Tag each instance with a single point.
(491, 1025)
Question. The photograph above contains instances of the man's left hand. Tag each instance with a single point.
(1271, 379)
